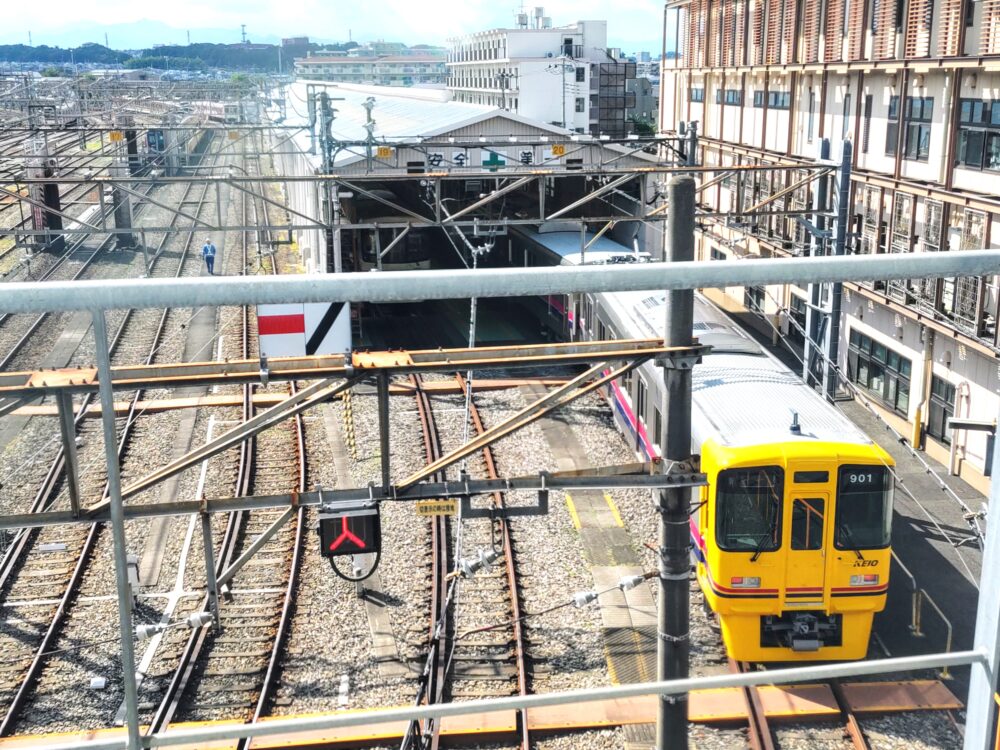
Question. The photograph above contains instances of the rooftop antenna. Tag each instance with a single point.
(795, 428)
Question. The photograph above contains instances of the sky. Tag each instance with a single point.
(633, 25)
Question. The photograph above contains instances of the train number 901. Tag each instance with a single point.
(862, 478)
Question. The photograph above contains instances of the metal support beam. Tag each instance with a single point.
(561, 396)
(673, 647)
(67, 430)
(318, 224)
(257, 543)
(199, 736)
(30, 385)
(208, 547)
(384, 436)
(306, 398)
(981, 708)
(171, 209)
(421, 491)
(590, 196)
(118, 532)
(419, 286)
(489, 198)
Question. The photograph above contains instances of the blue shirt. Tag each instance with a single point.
(208, 250)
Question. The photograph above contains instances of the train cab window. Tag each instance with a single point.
(807, 523)
(864, 507)
(748, 509)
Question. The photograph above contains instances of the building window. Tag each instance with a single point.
(698, 95)
(716, 254)
(866, 132)
(753, 298)
(847, 116)
(918, 127)
(942, 407)
(775, 99)
(758, 99)
(892, 126)
(979, 134)
(581, 75)
(729, 96)
(581, 104)
(880, 371)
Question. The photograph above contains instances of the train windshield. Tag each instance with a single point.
(864, 507)
(748, 503)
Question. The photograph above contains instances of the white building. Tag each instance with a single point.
(563, 76)
(406, 70)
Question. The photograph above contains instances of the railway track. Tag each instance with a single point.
(231, 672)
(42, 570)
(760, 735)
(476, 650)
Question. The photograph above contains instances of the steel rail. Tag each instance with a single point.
(285, 618)
(849, 718)
(759, 735)
(509, 567)
(434, 675)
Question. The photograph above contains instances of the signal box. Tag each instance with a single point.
(349, 528)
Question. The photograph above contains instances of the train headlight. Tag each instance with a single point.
(745, 582)
(870, 579)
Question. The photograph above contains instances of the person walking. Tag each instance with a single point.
(208, 253)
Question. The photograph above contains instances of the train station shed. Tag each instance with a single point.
(404, 138)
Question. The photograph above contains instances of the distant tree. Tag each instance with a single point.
(239, 78)
(52, 72)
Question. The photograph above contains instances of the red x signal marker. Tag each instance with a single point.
(346, 535)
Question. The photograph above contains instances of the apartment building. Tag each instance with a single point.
(405, 70)
(562, 76)
(914, 85)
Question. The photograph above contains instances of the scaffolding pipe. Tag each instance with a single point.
(417, 286)
(202, 735)
(134, 739)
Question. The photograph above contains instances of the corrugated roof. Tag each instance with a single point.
(400, 113)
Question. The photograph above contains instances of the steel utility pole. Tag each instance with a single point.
(817, 246)
(673, 648)
(841, 227)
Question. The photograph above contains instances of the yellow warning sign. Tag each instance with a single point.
(437, 507)
(115, 136)
(559, 149)
(383, 152)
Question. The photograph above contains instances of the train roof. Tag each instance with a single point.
(741, 394)
(564, 243)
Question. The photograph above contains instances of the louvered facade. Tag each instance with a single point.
(915, 86)
(919, 17)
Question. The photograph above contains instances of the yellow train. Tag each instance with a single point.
(791, 537)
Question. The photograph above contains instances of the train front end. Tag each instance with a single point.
(792, 542)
